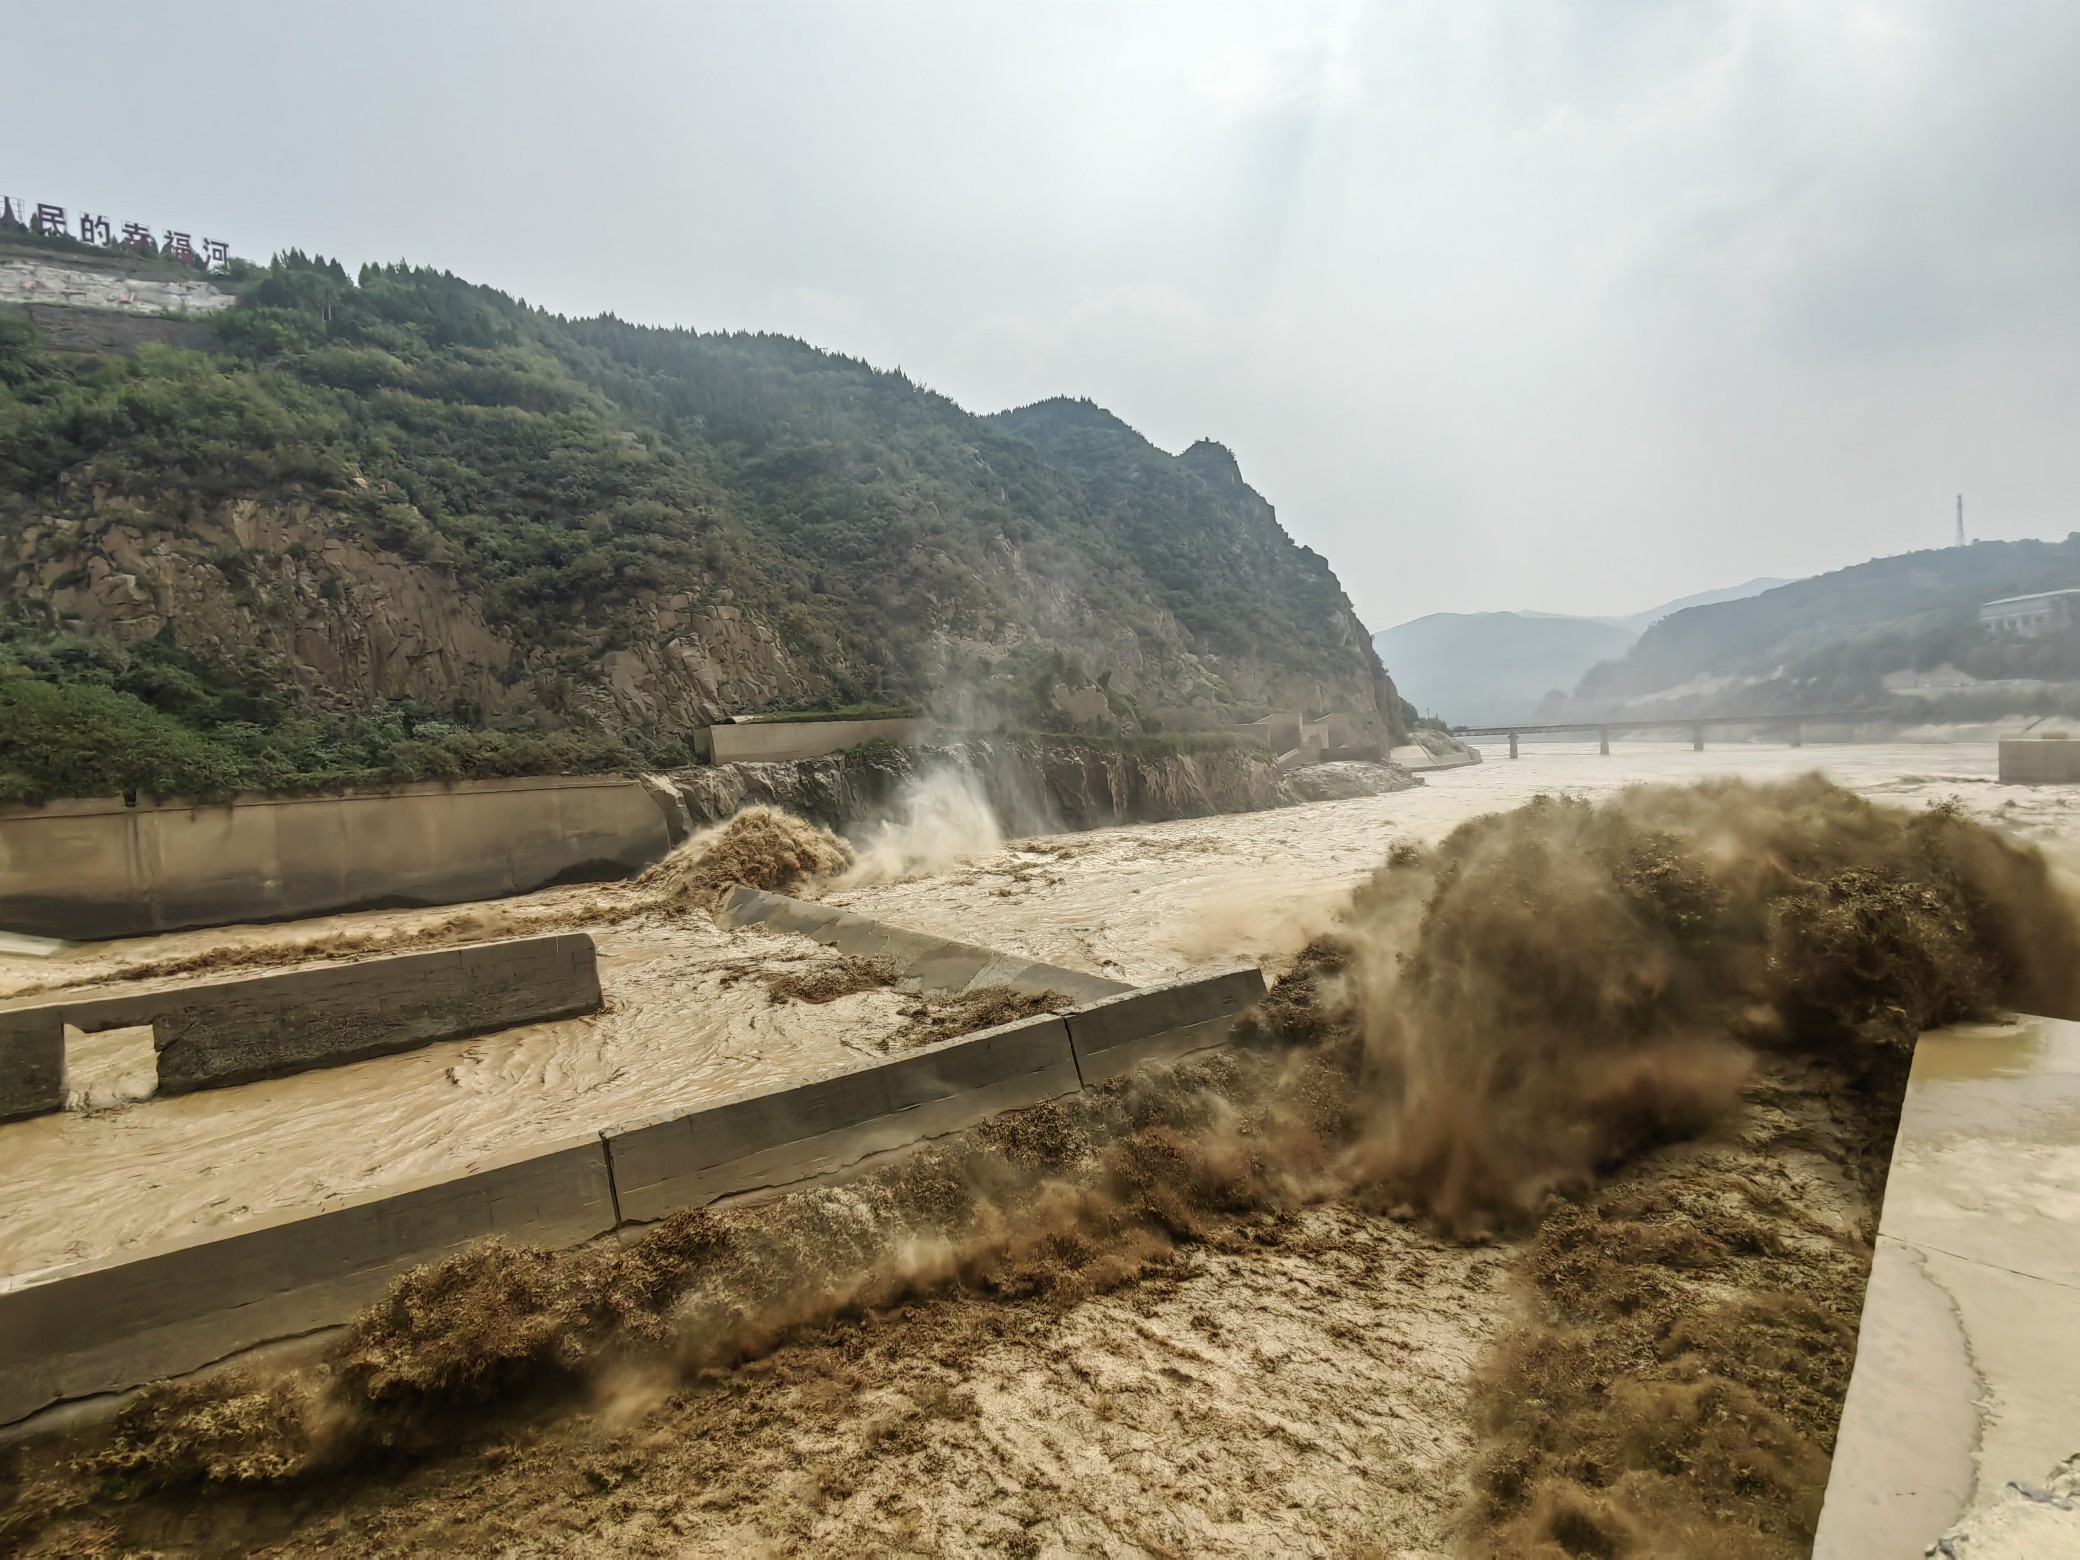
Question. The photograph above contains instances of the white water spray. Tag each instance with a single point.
(942, 818)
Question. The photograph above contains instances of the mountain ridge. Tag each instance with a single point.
(399, 525)
(1829, 641)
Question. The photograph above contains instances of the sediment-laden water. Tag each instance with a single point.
(689, 1020)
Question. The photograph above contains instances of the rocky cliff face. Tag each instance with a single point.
(400, 489)
(1033, 785)
(356, 626)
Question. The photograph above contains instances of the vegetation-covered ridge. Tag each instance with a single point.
(1829, 642)
(400, 526)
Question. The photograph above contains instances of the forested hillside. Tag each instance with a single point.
(398, 525)
(1827, 642)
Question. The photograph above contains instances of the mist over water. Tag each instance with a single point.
(942, 818)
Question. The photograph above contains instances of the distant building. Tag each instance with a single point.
(2030, 617)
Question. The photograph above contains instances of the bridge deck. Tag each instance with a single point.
(1673, 722)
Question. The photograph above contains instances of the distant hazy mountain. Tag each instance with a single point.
(1830, 641)
(1481, 668)
(1640, 622)
(1478, 668)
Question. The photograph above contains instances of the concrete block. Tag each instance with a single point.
(785, 1136)
(1158, 1023)
(114, 1324)
(272, 1025)
(32, 1062)
(2039, 761)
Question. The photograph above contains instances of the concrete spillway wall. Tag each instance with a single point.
(779, 741)
(217, 1033)
(98, 868)
(109, 1325)
(1967, 1375)
(783, 1137)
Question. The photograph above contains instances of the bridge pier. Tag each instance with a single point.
(1512, 744)
(1603, 740)
(1697, 738)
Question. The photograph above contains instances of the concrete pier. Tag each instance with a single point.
(1968, 1358)
(2052, 760)
(212, 1034)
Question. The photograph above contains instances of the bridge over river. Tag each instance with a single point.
(1792, 726)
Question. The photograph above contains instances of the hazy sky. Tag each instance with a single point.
(1575, 306)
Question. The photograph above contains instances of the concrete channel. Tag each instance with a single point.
(106, 1326)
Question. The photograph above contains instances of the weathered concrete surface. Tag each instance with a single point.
(32, 1063)
(921, 960)
(269, 1026)
(95, 869)
(111, 1325)
(772, 742)
(781, 1137)
(219, 1033)
(1158, 1023)
(1968, 1370)
(2039, 761)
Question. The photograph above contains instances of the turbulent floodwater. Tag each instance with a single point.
(684, 1025)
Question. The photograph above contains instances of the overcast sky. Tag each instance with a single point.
(1575, 307)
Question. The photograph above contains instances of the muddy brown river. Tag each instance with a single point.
(688, 1021)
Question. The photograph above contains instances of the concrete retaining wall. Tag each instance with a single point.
(106, 1326)
(768, 1141)
(1160, 1023)
(93, 869)
(226, 1032)
(772, 742)
(1967, 1375)
(925, 962)
(274, 1025)
(2039, 761)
